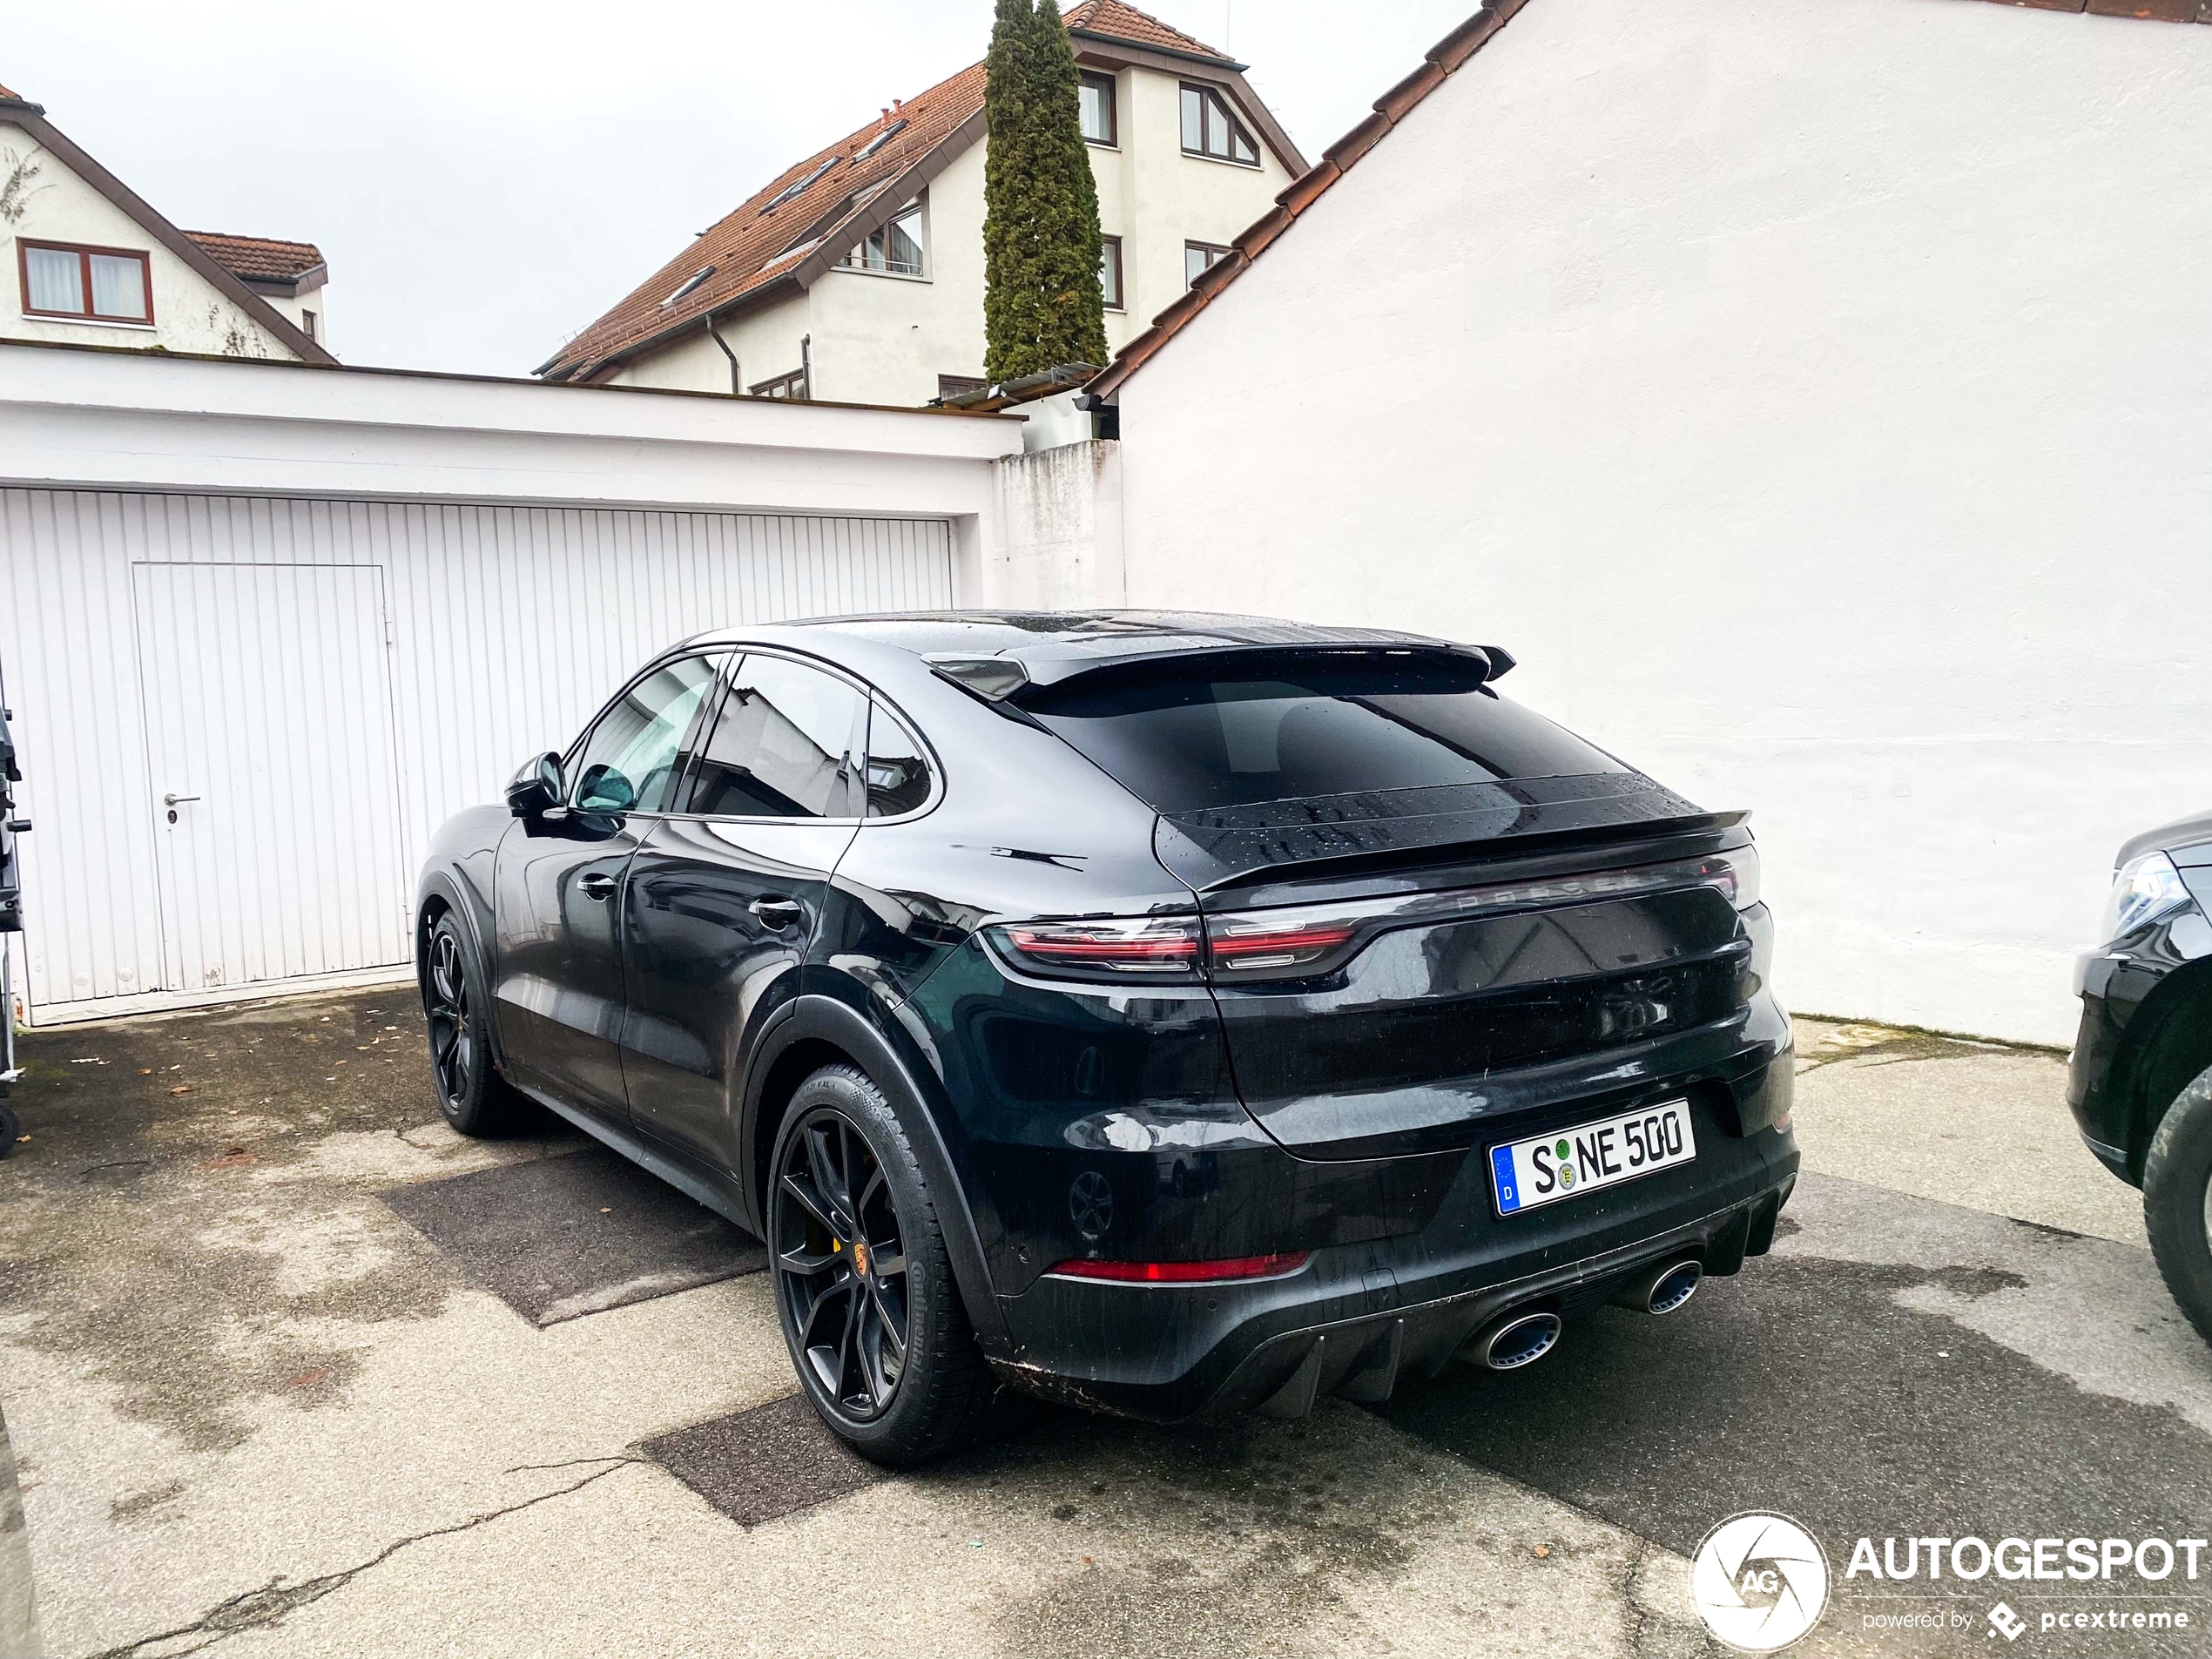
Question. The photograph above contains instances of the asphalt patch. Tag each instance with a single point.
(558, 1238)
(756, 1464)
(1804, 1387)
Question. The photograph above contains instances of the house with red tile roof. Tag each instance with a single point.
(85, 259)
(856, 275)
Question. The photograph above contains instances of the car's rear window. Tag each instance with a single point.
(1241, 731)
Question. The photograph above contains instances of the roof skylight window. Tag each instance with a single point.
(879, 140)
(690, 285)
(791, 190)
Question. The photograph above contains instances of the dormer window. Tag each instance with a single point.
(789, 191)
(88, 284)
(690, 283)
(896, 250)
(1211, 131)
(880, 139)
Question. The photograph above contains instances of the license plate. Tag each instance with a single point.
(1547, 1168)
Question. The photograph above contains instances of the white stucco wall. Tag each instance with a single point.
(1813, 394)
(41, 198)
(880, 339)
(1156, 198)
(1059, 540)
(294, 308)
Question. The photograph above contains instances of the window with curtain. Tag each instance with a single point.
(103, 285)
(1097, 102)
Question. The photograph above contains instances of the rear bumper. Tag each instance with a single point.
(1357, 1316)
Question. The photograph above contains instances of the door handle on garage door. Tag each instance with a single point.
(597, 885)
(776, 913)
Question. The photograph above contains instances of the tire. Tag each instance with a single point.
(2177, 1200)
(882, 1345)
(475, 1099)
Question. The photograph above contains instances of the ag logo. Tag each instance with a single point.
(1760, 1581)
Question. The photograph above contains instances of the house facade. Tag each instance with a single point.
(1808, 394)
(857, 275)
(86, 260)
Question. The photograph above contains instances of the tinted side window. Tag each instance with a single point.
(1235, 733)
(630, 761)
(782, 744)
(898, 770)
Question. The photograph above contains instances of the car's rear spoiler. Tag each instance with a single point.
(1005, 675)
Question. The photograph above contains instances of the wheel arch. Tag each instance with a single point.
(820, 1030)
(2170, 1043)
(439, 895)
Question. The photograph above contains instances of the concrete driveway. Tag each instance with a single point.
(289, 1368)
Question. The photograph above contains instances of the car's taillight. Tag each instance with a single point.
(1281, 944)
(1186, 1273)
(1305, 941)
(1109, 948)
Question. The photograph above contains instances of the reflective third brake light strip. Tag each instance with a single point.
(1233, 1267)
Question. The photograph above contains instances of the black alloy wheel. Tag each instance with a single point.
(453, 1036)
(840, 1262)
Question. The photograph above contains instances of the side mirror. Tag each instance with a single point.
(538, 787)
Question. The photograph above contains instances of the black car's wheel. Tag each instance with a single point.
(2177, 1200)
(863, 1286)
(474, 1098)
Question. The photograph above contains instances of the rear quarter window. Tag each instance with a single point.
(1279, 728)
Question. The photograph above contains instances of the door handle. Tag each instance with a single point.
(776, 913)
(177, 801)
(597, 885)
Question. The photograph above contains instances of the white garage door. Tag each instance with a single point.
(321, 683)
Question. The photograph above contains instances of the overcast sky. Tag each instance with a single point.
(486, 177)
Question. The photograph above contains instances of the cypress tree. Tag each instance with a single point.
(1009, 262)
(1044, 305)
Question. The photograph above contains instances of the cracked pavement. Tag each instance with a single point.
(256, 1411)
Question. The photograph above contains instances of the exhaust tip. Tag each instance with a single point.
(1517, 1341)
(1674, 1287)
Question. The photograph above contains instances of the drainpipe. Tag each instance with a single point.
(806, 365)
(736, 388)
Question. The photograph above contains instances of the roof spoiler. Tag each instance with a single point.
(997, 679)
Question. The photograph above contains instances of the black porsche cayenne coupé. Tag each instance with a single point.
(1169, 1014)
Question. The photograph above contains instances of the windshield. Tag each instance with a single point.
(1251, 729)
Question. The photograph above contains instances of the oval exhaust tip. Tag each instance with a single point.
(1519, 1340)
(1676, 1286)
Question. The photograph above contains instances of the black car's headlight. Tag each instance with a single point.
(2145, 890)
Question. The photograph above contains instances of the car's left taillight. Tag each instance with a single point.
(1110, 949)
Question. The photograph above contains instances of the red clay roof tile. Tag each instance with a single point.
(1125, 22)
(262, 257)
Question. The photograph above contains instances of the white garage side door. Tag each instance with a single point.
(508, 626)
(270, 762)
